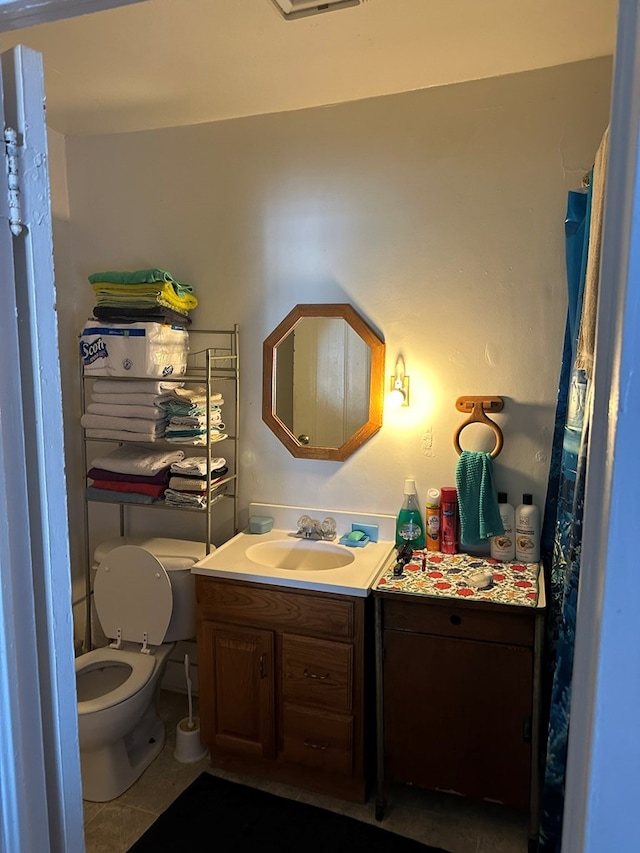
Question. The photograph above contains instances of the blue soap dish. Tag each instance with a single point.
(354, 543)
(260, 523)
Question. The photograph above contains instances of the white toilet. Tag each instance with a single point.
(145, 600)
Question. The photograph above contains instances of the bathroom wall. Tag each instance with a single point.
(437, 213)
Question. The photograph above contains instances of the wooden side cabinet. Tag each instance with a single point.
(458, 700)
(282, 681)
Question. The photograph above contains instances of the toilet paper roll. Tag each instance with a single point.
(188, 746)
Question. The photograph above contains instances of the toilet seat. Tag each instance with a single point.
(133, 597)
(142, 667)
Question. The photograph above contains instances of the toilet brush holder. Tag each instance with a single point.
(188, 747)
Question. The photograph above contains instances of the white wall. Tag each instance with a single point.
(438, 214)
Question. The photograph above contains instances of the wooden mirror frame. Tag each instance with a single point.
(376, 385)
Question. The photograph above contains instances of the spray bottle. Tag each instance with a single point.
(433, 520)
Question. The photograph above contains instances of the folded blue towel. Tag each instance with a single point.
(477, 498)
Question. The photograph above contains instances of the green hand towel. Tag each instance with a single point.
(140, 277)
(477, 498)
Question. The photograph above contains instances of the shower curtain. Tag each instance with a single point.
(562, 525)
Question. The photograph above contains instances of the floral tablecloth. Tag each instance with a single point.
(434, 574)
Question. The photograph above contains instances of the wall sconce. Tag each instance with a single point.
(399, 391)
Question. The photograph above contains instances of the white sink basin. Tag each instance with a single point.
(300, 555)
(280, 558)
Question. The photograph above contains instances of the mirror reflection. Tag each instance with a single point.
(323, 377)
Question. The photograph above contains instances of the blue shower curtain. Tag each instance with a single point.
(562, 526)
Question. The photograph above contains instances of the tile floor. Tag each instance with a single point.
(457, 825)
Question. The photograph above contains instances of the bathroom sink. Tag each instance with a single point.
(300, 555)
(280, 558)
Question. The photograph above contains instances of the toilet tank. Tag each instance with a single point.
(176, 556)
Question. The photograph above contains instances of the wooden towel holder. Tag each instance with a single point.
(478, 407)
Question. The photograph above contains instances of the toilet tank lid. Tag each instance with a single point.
(161, 547)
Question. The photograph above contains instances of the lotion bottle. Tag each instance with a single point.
(503, 547)
(527, 531)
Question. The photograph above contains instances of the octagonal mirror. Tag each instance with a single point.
(323, 381)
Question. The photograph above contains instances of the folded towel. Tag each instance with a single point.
(138, 277)
(112, 496)
(154, 490)
(477, 498)
(194, 484)
(198, 438)
(113, 476)
(135, 386)
(150, 314)
(135, 399)
(149, 413)
(215, 419)
(196, 466)
(192, 499)
(144, 425)
(137, 460)
(188, 484)
(194, 396)
(122, 434)
(118, 295)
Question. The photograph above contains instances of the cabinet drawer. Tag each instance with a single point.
(459, 620)
(261, 607)
(317, 671)
(318, 739)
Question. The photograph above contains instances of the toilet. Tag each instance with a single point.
(144, 596)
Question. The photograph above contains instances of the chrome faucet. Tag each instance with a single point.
(311, 528)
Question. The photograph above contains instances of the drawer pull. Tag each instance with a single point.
(322, 747)
(455, 619)
(307, 674)
(263, 670)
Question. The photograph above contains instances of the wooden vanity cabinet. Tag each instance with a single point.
(460, 697)
(281, 683)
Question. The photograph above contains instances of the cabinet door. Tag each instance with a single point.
(236, 679)
(457, 715)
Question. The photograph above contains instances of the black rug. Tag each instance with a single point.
(214, 814)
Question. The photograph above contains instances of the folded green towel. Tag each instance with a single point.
(140, 277)
(477, 498)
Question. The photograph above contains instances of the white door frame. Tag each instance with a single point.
(593, 800)
(40, 785)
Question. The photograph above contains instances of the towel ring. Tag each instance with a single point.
(478, 407)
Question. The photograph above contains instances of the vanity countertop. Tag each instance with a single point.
(233, 560)
(451, 576)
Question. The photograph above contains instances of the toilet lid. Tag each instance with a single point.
(132, 594)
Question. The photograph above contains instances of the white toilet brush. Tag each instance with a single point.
(188, 747)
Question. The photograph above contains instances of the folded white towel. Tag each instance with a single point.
(150, 413)
(195, 396)
(174, 498)
(199, 439)
(121, 435)
(197, 420)
(131, 399)
(137, 460)
(134, 386)
(196, 466)
(144, 425)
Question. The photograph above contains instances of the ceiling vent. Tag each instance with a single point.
(292, 9)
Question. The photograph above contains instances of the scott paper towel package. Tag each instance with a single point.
(133, 349)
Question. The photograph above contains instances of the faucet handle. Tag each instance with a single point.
(328, 528)
(304, 521)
